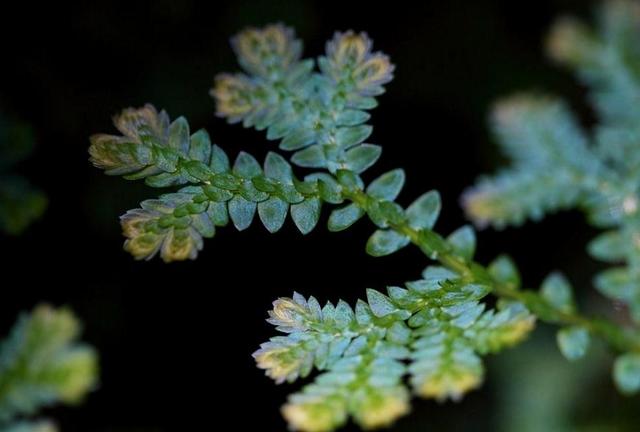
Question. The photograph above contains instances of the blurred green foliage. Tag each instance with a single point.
(20, 203)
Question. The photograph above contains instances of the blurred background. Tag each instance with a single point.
(176, 340)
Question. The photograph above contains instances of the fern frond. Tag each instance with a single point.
(553, 166)
(607, 59)
(434, 329)
(319, 115)
(42, 364)
(513, 196)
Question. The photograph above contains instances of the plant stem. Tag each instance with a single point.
(437, 248)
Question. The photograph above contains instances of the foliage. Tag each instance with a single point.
(433, 330)
(41, 364)
(557, 165)
(20, 203)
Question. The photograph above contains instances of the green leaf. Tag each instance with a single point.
(306, 214)
(385, 242)
(504, 270)
(558, 292)
(388, 185)
(272, 213)
(179, 135)
(241, 212)
(344, 217)
(380, 304)
(351, 117)
(573, 342)
(350, 136)
(218, 213)
(311, 157)
(611, 246)
(246, 166)
(626, 373)
(276, 167)
(359, 158)
(203, 224)
(463, 241)
(219, 160)
(424, 211)
(298, 139)
(616, 283)
(200, 148)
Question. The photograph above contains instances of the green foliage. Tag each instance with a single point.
(20, 203)
(433, 331)
(555, 165)
(319, 115)
(626, 373)
(41, 364)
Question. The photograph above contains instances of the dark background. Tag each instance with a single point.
(175, 340)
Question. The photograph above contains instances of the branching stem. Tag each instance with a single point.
(436, 247)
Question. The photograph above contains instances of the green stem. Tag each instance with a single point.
(437, 248)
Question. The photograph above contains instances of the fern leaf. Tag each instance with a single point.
(434, 329)
(41, 364)
(319, 115)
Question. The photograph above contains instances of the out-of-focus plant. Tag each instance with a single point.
(433, 330)
(42, 364)
(20, 203)
(557, 165)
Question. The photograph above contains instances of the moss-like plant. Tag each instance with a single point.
(433, 330)
(42, 364)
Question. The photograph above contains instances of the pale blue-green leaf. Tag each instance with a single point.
(388, 185)
(273, 213)
(349, 136)
(611, 246)
(352, 117)
(179, 135)
(557, 290)
(424, 211)
(219, 160)
(276, 167)
(359, 158)
(344, 217)
(241, 212)
(463, 241)
(311, 157)
(306, 214)
(246, 166)
(200, 148)
(626, 373)
(616, 283)
(573, 342)
(203, 224)
(385, 242)
(504, 270)
(218, 213)
(379, 303)
(298, 139)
